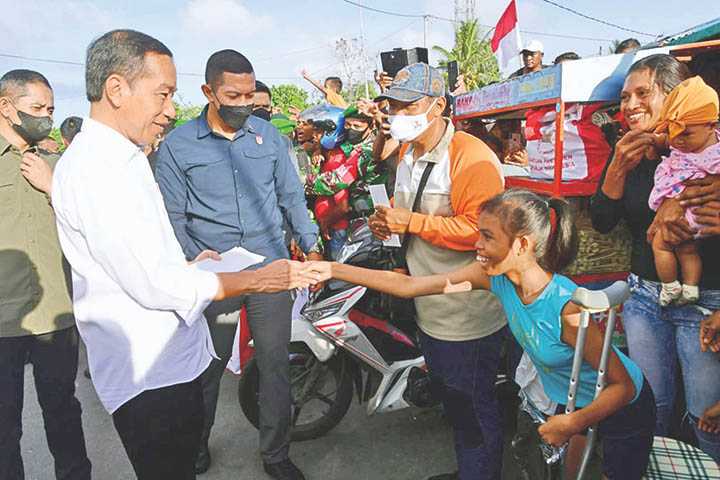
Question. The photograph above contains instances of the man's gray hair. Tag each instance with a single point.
(120, 52)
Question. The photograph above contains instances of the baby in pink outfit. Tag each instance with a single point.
(678, 168)
(689, 116)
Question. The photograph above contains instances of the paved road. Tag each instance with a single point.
(405, 445)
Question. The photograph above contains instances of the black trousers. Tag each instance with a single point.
(269, 319)
(54, 357)
(161, 429)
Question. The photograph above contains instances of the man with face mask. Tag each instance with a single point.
(227, 180)
(359, 170)
(36, 321)
(262, 101)
(443, 178)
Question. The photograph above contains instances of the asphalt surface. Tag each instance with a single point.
(409, 444)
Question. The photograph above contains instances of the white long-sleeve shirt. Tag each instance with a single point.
(138, 304)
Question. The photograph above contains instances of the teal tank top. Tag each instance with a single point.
(538, 329)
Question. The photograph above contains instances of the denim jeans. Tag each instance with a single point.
(660, 337)
(336, 242)
(465, 373)
(627, 437)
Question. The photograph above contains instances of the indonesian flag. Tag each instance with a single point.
(506, 44)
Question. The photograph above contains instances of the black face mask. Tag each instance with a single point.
(235, 116)
(354, 136)
(31, 128)
(263, 113)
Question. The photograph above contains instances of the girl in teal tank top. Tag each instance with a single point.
(524, 240)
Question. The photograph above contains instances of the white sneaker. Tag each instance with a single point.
(670, 292)
(690, 294)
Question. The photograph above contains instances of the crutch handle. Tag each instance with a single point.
(601, 300)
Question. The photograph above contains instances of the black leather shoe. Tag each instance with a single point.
(446, 476)
(202, 463)
(285, 470)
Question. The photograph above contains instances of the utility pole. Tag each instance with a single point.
(362, 50)
(426, 21)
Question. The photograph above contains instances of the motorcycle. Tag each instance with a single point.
(350, 339)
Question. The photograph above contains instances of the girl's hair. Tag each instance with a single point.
(522, 212)
(666, 71)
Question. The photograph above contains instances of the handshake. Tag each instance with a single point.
(283, 275)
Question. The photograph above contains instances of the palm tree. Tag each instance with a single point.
(473, 54)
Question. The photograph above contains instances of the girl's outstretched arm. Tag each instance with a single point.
(400, 285)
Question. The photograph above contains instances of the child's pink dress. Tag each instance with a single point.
(680, 167)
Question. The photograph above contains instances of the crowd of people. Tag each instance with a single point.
(100, 244)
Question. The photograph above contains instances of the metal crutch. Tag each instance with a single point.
(590, 302)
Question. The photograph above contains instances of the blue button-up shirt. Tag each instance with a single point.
(222, 193)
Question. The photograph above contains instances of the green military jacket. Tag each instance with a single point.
(34, 296)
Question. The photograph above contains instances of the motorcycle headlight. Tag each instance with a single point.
(315, 313)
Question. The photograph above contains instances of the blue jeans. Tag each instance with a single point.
(465, 374)
(336, 242)
(659, 337)
(627, 437)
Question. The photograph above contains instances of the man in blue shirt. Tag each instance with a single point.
(227, 181)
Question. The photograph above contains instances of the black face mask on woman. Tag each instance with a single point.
(31, 128)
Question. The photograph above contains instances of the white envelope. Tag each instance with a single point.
(380, 198)
(234, 260)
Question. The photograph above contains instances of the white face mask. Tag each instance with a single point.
(406, 128)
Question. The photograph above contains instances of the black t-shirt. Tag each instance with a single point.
(606, 213)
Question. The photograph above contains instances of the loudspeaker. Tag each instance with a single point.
(396, 59)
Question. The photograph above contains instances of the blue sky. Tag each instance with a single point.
(282, 37)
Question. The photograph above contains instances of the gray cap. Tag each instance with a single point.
(415, 82)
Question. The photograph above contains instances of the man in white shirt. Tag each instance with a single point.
(137, 302)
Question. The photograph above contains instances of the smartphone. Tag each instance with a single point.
(393, 61)
(453, 72)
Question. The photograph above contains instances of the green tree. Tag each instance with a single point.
(287, 95)
(55, 135)
(185, 112)
(474, 56)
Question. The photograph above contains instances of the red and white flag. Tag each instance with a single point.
(506, 44)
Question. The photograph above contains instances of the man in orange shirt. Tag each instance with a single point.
(461, 334)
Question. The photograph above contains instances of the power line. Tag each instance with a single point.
(386, 12)
(46, 60)
(80, 64)
(393, 33)
(288, 54)
(573, 37)
(491, 27)
(580, 14)
(337, 64)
